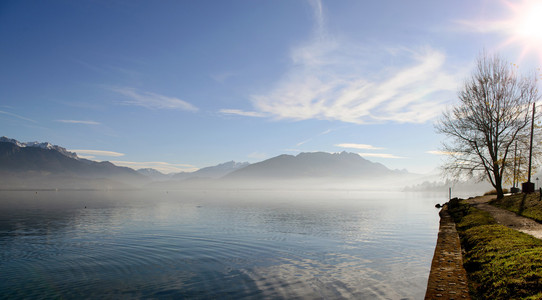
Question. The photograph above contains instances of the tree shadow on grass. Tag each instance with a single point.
(522, 205)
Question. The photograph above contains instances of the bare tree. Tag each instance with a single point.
(492, 114)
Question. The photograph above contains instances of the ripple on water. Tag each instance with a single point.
(215, 251)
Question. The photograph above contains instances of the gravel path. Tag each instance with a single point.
(508, 218)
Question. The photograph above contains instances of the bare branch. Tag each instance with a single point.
(492, 114)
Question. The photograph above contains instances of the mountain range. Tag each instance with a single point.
(44, 145)
(42, 165)
(39, 165)
(313, 165)
(214, 172)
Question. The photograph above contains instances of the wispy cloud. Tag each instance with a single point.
(332, 79)
(303, 142)
(438, 152)
(78, 122)
(319, 16)
(311, 138)
(319, 90)
(482, 26)
(358, 146)
(16, 116)
(152, 100)
(97, 152)
(161, 166)
(242, 113)
(380, 155)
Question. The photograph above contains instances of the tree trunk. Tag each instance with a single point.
(498, 188)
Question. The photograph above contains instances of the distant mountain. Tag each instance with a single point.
(45, 145)
(213, 172)
(43, 165)
(313, 165)
(38, 163)
(154, 174)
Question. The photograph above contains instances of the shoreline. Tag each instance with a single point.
(501, 254)
(447, 278)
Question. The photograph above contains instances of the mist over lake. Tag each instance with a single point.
(216, 244)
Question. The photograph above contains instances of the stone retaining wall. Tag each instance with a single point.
(448, 278)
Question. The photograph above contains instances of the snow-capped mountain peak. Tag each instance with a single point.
(44, 145)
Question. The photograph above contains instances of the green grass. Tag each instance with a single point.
(474, 218)
(528, 206)
(501, 263)
(466, 216)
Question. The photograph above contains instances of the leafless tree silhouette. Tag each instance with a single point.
(494, 111)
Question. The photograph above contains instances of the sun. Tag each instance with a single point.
(529, 22)
(525, 26)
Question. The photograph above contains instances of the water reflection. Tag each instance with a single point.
(236, 244)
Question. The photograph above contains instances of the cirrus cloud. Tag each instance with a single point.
(331, 79)
(329, 90)
(78, 122)
(358, 146)
(93, 153)
(438, 152)
(152, 100)
(242, 113)
(380, 155)
(161, 166)
(17, 116)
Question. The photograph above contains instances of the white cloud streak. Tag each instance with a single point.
(79, 122)
(380, 155)
(17, 116)
(358, 146)
(483, 26)
(242, 113)
(334, 79)
(303, 142)
(97, 152)
(438, 152)
(316, 90)
(161, 166)
(311, 138)
(319, 16)
(152, 100)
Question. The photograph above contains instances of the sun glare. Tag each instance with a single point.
(525, 27)
(529, 22)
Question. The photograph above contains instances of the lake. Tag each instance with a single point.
(229, 244)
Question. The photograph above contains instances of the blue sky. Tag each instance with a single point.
(180, 85)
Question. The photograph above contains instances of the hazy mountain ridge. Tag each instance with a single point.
(46, 166)
(154, 174)
(41, 164)
(213, 172)
(313, 165)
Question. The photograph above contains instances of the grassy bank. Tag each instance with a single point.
(528, 206)
(501, 263)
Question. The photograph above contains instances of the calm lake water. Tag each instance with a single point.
(221, 245)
